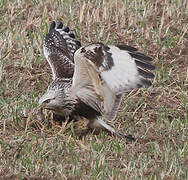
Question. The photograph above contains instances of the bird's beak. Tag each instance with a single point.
(41, 104)
(45, 106)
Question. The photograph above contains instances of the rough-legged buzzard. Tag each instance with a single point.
(102, 74)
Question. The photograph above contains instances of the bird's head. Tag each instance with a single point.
(52, 100)
(57, 98)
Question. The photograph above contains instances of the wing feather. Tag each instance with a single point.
(59, 48)
(109, 71)
(85, 85)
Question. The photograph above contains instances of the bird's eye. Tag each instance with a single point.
(46, 101)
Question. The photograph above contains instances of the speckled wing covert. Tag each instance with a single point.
(103, 73)
(59, 48)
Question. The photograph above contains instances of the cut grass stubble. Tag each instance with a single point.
(157, 117)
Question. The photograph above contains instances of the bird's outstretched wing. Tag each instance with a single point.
(59, 48)
(103, 73)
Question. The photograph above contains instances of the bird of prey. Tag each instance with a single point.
(101, 75)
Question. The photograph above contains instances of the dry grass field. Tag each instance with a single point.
(157, 116)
